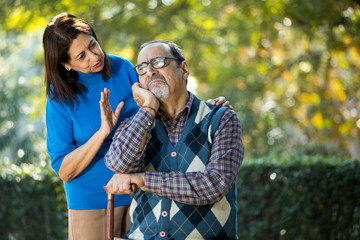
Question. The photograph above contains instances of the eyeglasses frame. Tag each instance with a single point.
(147, 64)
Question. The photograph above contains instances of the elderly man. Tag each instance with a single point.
(179, 156)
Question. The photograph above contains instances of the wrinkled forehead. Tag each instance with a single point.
(152, 51)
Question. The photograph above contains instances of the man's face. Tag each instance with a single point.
(162, 81)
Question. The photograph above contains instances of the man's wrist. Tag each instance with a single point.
(152, 102)
(151, 106)
(150, 110)
(138, 179)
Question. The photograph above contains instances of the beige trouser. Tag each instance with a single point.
(91, 224)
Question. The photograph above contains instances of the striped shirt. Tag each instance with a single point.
(191, 187)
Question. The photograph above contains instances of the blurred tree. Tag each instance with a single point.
(289, 68)
(21, 96)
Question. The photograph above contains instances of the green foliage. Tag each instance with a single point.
(299, 198)
(288, 67)
(33, 204)
(22, 100)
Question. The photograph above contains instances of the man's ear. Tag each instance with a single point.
(185, 69)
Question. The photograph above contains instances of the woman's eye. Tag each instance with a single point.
(92, 46)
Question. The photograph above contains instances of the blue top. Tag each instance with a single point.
(69, 128)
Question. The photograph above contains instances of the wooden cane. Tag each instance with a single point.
(110, 213)
(110, 217)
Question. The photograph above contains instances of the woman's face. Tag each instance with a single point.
(86, 56)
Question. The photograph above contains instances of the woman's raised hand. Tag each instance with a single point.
(108, 117)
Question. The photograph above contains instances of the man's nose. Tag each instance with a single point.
(150, 70)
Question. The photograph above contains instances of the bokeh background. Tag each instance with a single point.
(290, 69)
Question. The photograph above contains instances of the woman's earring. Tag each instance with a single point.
(67, 68)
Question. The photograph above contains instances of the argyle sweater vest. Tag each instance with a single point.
(155, 217)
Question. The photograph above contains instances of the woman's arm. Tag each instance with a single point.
(77, 160)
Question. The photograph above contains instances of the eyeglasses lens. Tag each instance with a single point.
(155, 63)
(158, 63)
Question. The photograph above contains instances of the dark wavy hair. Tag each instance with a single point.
(59, 34)
(174, 49)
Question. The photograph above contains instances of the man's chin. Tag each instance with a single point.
(160, 94)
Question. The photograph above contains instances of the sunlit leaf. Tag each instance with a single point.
(17, 18)
(354, 55)
(336, 86)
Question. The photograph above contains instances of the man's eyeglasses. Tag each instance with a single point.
(156, 63)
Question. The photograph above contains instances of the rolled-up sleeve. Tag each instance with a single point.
(123, 155)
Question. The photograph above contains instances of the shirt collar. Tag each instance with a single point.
(185, 111)
(189, 104)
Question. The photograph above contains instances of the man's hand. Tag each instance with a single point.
(144, 97)
(125, 183)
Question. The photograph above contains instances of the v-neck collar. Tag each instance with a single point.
(190, 118)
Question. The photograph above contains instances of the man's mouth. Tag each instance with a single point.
(155, 79)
